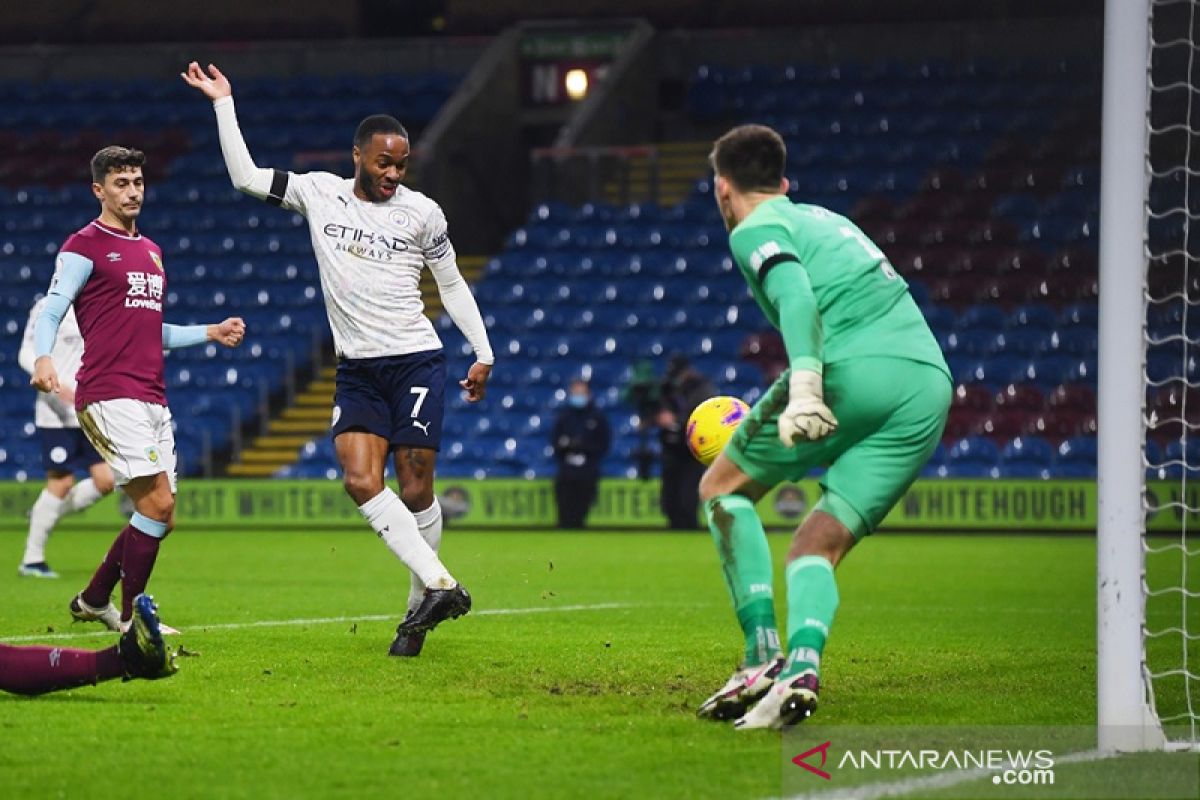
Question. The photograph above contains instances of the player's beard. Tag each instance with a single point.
(371, 188)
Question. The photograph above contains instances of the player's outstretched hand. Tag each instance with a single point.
(476, 383)
(229, 333)
(45, 377)
(213, 84)
(806, 417)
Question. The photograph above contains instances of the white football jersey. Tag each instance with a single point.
(48, 410)
(370, 257)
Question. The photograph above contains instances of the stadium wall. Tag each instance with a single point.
(164, 61)
(936, 505)
(478, 15)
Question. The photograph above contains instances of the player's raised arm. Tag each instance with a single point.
(70, 274)
(229, 333)
(459, 303)
(265, 184)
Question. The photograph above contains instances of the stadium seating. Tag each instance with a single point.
(983, 192)
(225, 254)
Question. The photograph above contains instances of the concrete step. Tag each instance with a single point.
(252, 470)
(298, 426)
(314, 414)
(270, 442)
(321, 399)
(278, 457)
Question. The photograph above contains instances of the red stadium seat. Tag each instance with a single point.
(961, 422)
(993, 232)
(873, 208)
(1169, 407)
(973, 398)
(1056, 425)
(1023, 261)
(945, 232)
(1074, 397)
(957, 292)
(1074, 261)
(1002, 425)
(1020, 397)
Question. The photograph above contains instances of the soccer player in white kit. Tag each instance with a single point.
(372, 237)
(65, 449)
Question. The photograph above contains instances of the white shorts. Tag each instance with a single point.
(134, 438)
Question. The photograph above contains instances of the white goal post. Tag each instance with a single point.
(1127, 717)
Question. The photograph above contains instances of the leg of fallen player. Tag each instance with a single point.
(140, 653)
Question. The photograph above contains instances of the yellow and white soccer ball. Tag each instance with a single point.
(711, 426)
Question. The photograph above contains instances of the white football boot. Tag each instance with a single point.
(787, 702)
(737, 695)
(108, 616)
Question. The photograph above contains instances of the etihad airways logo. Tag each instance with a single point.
(145, 290)
(369, 245)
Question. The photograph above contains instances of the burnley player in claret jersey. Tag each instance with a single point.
(373, 237)
(116, 279)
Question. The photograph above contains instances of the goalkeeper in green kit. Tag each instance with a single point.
(866, 395)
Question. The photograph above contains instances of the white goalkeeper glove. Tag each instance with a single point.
(806, 417)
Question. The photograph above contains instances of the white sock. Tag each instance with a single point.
(46, 511)
(429, 523)
(82, 495)
(397, 526)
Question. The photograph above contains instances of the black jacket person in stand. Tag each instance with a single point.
(683, 388)
(581, 438)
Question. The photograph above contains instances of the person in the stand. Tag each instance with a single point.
(683, 388)
(581, 438)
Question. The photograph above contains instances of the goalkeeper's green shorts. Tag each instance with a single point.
(890, 411)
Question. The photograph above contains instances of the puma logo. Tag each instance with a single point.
(424, 426)
(345, 202)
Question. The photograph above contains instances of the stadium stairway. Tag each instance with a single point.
(310, 411)
(678, 165)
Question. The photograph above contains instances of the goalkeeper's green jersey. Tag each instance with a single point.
(828, 288)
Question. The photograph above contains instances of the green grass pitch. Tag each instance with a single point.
(587, 689)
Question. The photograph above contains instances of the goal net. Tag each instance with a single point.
(1148, 590)
(1170, 543)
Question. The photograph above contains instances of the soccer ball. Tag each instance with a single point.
(711, 426)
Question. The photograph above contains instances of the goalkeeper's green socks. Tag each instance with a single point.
(812, 597)
(746, 564)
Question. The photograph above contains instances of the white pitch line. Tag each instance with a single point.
(278, 623)
(943, 780)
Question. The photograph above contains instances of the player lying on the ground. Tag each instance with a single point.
(372, 237)
(115, 279)
(867, 394)
(139, 653)
(65, 449)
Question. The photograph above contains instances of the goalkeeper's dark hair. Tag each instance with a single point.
(115, 158)
(377, 123)
(751, 157)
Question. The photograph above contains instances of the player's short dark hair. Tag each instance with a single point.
(752, 157)
(377, 123)
(115, 158)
